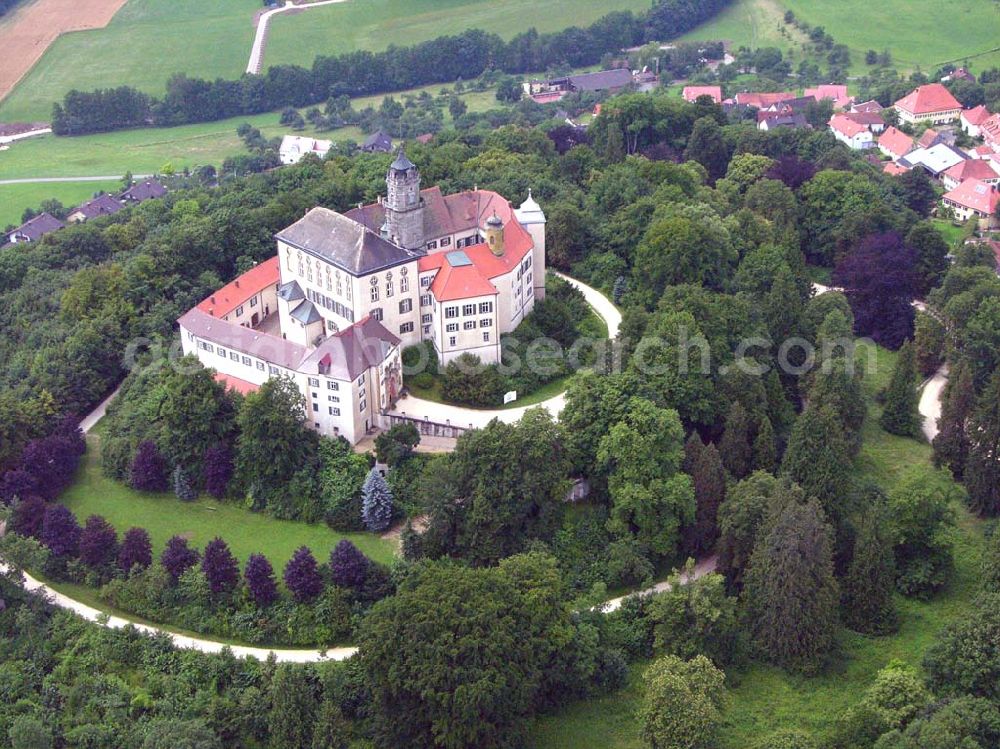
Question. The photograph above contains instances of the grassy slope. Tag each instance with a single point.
(164, 516)
(375, 24)
(764, 698)
(15, 198)
(919, 33)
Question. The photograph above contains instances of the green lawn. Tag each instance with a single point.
(163, 515)
(15, 198)
(375, 24)
(919, 33)
(764, 698)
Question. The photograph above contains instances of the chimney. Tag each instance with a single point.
(213, 300)
(237, 283)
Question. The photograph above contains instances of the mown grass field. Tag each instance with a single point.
(150, 40)
(919, 33)
(765, 699)
(375, 24)
(15, 198)
(163, 515)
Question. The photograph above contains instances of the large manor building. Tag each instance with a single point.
(346, 292)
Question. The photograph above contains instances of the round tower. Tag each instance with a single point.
(494, 234)
(531, 216)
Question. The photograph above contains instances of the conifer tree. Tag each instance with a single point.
(900, 414)
(220, 567)
(817, 459)
(735, 447)
(149, 469)
(98, 543)
(217, 470)
(765, 451)
(302, 576)
(709, 479)
(871, 580)
(982, 471)
(259, 577)
(951, 444)
(791, 595)
(182, 485)
(178, 557)
(376, 502)
(136, 550)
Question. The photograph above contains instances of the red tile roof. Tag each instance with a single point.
(929, 138)
(973, 169)
(990, 129)
(827, 91)
(846, 125)
(761, 100)
(896, 142)
(691, 93)
(976, 195)
(235, 293)
(893, 168)
(236, 384)
(976, 115)
(867, 106)
(933, 97)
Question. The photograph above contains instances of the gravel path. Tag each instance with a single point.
(263, 20)
(930, 402)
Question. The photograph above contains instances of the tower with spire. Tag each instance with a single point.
(404, 208)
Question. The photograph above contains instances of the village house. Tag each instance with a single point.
(929, 104)
(772, 120)
(935, 160)
(895, 143)
(102, 205)
(974, 199)
(554, 89)
(762, 100)
(854, 134)
(959, 74)
(691, 93)
(871, 106)
(835, 92)
(377, 142)
(35, 229)
(972, 119)
(990, 132)
(346, 292)
(978, 169)
(140, 192)
(294, 147)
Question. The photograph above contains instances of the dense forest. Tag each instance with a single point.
(362, 73)
(700, 229)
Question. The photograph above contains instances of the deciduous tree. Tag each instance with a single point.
(178, 557)
(683, 704)
(136, 550)
(259, 577)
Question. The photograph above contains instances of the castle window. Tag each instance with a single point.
(425, 300)
(470, 325)
(253, 301)
(406, 327)
(288, 258)
(222, 352)
(469, 309)
(486, 322)
(432, 245)
(425, 281)
(486, 337)
(427, 330)
(334, 411)
(445, 241)
(331, 385)
(349, 294)
(314, 382)
(404, 284)
(377, 313)
(451, 327)
(426, 318)
(485, 308)
(451, 341)
(260, 366)
(388, 287)
(363, 406)
(450, 312)
(374, 293)
(405, 306)
(234, 356)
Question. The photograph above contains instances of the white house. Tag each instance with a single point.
(972, 119)
(931, 104)
(294, 147)
(853, 134)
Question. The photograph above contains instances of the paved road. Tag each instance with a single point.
(106, 178)
(260, 37)
(90, 420)
(476, 418)
(930, 402)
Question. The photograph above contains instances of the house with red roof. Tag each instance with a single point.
(762, 100)
(990, 132)
(691, 93)
(972, 119)
(849, 131)
(346, 291)
(868, 106)
(974, 199)
(891, 167)
(978, 169)
(895, 143)
(835, 92)
(929, 104)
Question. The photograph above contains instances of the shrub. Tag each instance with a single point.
(61, 532)
(302, 577)
(177, 557)
(348, 566)
(469, 382)
(149, 469)
(27, 515)
(136, 551)
(220, 567)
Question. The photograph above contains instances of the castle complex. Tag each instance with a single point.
(346, 292)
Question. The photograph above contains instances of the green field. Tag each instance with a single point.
(15, 198)
(149, 40)
(919, 33)
(765, 698)
(375, 24)
(163, 515)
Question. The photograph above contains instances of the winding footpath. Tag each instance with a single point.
(260, 37)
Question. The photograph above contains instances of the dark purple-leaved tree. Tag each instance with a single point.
(220, 567)
(879, 280)
(217, 470)
(27, 515)
(61, 532)
(98, 543)
(149, 469)
(17, 484)
(177, 557)
(348, 566)
(792, 170)
(302, 577)
(135, 551)
(259, 577)
(52, 461)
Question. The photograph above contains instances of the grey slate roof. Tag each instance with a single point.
(307, 313)
(229, 335)
(343, 242)
(144, 190)
(291, 291)
(37, 227)
(377, 142)
(402, 164)
(601, 80)
(102, 205)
